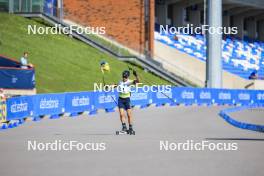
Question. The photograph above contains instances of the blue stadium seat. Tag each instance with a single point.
(239, 57)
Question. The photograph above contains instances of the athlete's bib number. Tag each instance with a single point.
(124, 88)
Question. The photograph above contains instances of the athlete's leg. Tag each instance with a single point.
(122, 115)
(130, 120)
(122, 118)
(129, 116)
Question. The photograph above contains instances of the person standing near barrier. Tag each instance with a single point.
(253, 75)
(2, 105)
(124, 100)
(24, 61)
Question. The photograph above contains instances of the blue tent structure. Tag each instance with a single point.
(14, 77)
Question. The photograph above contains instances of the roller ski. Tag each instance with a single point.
(124, 130)
(121, 132)
(130, 132)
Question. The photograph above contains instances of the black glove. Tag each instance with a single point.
(135, 73)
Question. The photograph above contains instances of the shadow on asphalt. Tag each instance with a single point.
(234, 139)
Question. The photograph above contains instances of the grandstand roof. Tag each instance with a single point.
(247, 8)
(252, 3)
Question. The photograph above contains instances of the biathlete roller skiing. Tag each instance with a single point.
(123, 103)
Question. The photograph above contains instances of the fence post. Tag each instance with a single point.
(11, 6)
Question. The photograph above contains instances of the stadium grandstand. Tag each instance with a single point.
(137, 32)
(242, 53)
(240, 57)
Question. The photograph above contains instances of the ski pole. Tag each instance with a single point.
(154, 83)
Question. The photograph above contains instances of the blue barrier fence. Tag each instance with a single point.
(225, 114)
(75, 103)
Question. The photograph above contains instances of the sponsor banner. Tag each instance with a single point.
(19, 107)
(162, 97)
(55, 104)
(205, 96)
(49, 104)
(244, 97)
(258, 97)
(224, 96)
(184, 95)
(141, 98)
(105, 100)
(78, 102)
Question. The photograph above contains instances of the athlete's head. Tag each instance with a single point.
(25, 54)
(125, 75)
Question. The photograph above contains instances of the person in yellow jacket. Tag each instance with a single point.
(2, 106)
(124, 99)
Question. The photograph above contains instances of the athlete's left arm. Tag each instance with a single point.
(136, 76)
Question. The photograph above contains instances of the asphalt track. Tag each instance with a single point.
(139, 154)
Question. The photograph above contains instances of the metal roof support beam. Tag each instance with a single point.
(214, 46)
